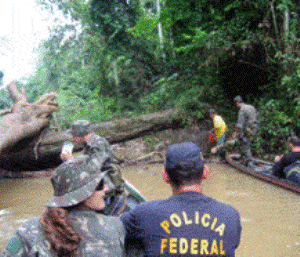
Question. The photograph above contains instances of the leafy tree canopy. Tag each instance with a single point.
(126, 57)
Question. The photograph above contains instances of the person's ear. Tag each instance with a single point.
(165, 177)
(205, 171)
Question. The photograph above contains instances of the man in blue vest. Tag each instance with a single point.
(188, 223)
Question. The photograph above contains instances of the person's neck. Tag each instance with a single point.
(88, 137)
(187, 188)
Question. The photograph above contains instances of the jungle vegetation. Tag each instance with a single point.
(123, 58)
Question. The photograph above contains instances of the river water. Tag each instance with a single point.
(270, 215)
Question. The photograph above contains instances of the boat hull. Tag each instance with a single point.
(261, 170)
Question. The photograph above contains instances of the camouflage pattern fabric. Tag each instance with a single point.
(98, 148)
(80, 128)
(102, 155)
(74, 181)
(248, 124)
(102, 236)
(246, 142)
(247, 119)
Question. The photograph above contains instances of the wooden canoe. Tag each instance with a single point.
(262, 170)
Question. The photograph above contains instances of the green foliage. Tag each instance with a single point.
(279, 118)
(5, 101)
(192, 101)
(166, 96)
(73, 107)
(111, 62)
(145, 26)
(274, 122)
(197, 41)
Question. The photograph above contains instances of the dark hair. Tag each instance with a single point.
(184, 164)
(294, 140)
(212, 111)
(63, 238)
(185, 176)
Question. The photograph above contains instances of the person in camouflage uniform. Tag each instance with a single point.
(73, 223)
(246, 127)
(100, 151)
(95, 146)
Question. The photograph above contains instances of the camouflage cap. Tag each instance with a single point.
(74, 181)
(238, 99)
(80, 128)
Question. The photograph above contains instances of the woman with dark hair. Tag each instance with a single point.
(73, 223)
(288, 166)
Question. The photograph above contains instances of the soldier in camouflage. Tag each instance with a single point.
(100, 151)
(246, 127)
(93, 145)
(73, 223)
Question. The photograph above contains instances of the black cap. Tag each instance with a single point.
(184, 162)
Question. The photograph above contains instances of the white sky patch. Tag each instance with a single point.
(23, 26)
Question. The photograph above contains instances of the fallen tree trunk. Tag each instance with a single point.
(24, 120)
(46, 155)
(22, 126)
(117, 131)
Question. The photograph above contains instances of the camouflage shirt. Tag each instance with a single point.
(99, 148)
(102, 236)
(102, 155)
(247, 118)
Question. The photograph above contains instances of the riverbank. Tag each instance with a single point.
(149, 149)
(155, 145)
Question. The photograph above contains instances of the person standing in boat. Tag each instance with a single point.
(220, 127)
(288, 166)
(246, 127)
(73, 223)
(94, 145)
(188, 223)
(99, 149)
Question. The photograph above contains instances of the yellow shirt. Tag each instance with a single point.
(219, 125)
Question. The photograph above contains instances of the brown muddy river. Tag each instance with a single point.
(270, 215)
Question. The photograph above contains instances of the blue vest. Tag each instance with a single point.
(187, 224)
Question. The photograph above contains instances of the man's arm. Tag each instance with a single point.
(128, 220)
(241, 119)
(133, 240)
(240, 123)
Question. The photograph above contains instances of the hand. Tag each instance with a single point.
(66, 156)
(278, 158)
